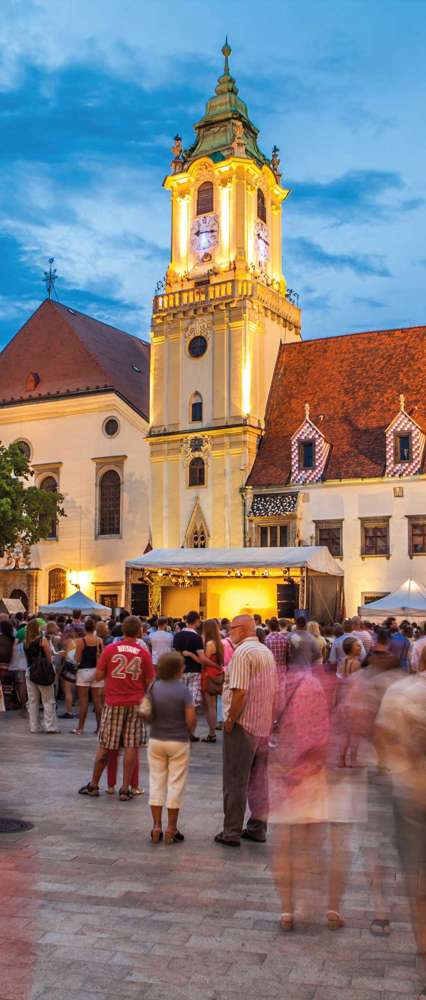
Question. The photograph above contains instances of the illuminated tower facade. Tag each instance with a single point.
(216, 326)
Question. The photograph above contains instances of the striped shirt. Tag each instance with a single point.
(252, 669)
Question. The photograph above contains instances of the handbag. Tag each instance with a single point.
(69, 671)
(215, 684)
(41, 671)
(146, 707)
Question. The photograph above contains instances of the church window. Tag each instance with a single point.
(329, 533)
(205, 198)
(57, 585)
(196, 409)
(375, 536)
(111, 427)
(403, 451)
(49, 525)
(25, 448)
(261, 205)
(197, 347)
(109, 503)
(417, 536)
(197, 472)
(306, 454)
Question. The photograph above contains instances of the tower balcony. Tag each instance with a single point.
(227, 291)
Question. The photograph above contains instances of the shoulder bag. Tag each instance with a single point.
(41, 672)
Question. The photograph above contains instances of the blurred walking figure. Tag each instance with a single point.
(401, 729)
(300, 802)
(40, 680)
(349, 737)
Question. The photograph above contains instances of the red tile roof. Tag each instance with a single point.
(352, 384)
(73, 354)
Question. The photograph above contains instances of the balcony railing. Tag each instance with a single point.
(233, 288)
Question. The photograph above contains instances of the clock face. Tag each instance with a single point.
(204, 234)
(262, 242)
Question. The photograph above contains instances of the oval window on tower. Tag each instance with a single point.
(111, 427)
(197, 347)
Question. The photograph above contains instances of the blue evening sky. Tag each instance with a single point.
(93, 91)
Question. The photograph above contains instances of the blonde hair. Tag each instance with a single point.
(314, 629)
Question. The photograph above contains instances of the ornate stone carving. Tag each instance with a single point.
(275, 163)
(18, 557)
(238, 145)
(197, 446)
(198, 327)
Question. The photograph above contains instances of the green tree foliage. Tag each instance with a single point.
(26, 512)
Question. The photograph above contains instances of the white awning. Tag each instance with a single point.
(313, 557)
(409, 599)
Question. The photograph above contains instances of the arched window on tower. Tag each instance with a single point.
(197, 472)
(57, 585)
(261, 205)
(49, 525)
(109, 503)
(205, 198)
(196, 407)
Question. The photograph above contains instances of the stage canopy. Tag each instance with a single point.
(77, 601)
(408, 601)
(316, 558)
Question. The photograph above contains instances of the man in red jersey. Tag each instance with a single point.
(126, 667)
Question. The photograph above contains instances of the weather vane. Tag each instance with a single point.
(50, 278)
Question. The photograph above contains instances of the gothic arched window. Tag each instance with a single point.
(197, 472)
(57, 585)
(205, 198)
(196, 407)
(109, 503)
(261, 205)
(50, 526)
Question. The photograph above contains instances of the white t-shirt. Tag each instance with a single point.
(161, 642)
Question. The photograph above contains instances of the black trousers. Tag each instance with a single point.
(245, 782)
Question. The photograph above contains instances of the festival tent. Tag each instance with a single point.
(77, 601)
(408, 601)
(242, 576)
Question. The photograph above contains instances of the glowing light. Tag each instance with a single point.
(224, 221)
(183, 230)
(80, 580)
(246, 387)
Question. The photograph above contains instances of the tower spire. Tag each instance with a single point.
(226, 50)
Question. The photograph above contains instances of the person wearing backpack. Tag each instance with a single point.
(40, 680)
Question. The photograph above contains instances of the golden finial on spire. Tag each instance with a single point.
(226, 50)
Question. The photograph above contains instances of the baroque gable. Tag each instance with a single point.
(404, 444)
(308, 470)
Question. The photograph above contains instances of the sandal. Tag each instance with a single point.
(77, 732)
(111, 791)
(91, 790)
(125, 795)
(334, 920)
(287, 922)
(156, 835)
(173, 837)
(137, 791)
(380, 928)
(208, 739)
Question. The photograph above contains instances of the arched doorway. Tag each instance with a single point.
(20, 595)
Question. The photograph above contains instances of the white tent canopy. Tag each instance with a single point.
(77, 601)
(313, 557)
(408, 601)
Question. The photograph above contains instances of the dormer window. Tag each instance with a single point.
(261, 205)
(205, 198)
(306, 454)
(403, 451)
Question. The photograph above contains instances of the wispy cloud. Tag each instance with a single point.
(356, 196)
(361, 300)
(313, 255)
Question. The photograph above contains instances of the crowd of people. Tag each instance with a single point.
(303, 709)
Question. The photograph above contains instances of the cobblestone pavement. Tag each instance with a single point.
(90, 909)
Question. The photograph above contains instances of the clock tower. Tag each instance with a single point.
(216, 326)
